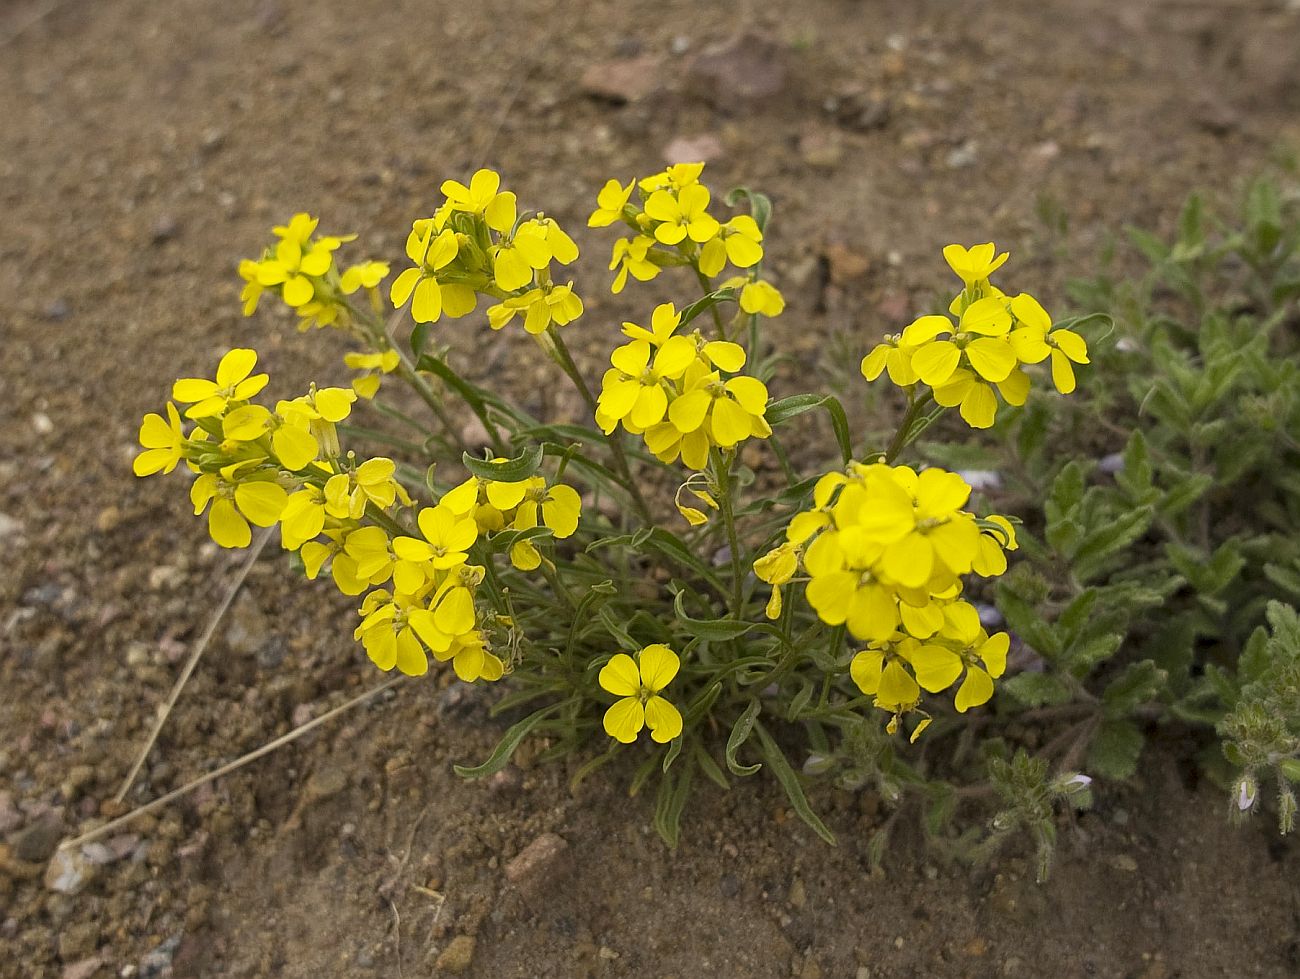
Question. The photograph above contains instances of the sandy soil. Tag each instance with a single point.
(147, 146)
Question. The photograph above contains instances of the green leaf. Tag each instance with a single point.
(1025, 621)
(1188, 490)
(760, 207)
(740, 732)
(710, 767)
(1106, 542)
(1066, 493)
(514, 470)
(665, 543)
(506, 746)
(710, 630)
(1115, 749)
(1138, 683)
(1037, 689)
(704, 304)
(673, 793)
(674, 749)
(1076, 614)
(776, 760)
(787, 408)
(420, 338)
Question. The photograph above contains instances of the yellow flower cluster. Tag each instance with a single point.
(300, 267)
(669, 387)
(884, 549)
(672, 226)
(969, 363)
(262, 467)
(474, 244)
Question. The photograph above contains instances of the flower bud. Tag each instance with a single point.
(1247, 791)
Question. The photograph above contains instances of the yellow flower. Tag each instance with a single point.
(881, 670)
(777, 567)
(983, 657)
(923, 527)
(308, 425)
(563, 248)
(346, 494)
(676, 177)
(632, 390)
(611, 200)
(516, 258)
(738, 241)
(430, 249)
(1034, 340)
(667, 443)
(631, 257)
(447, 539)
(682, 215)
(728, 411)
(894, 356)
(367, 275)
(253, 289)
(637, 683)
(235, 383)
(483, 196)
(557, 506)
(163, 441)
(761, 298)
(297, 260)
(980, 338)
(235, 505)
(376, 364)
(471, 658)
(302, 520)
(975, 264)
(542, 306)
(991, 560)
(387, 634)
(976, 398)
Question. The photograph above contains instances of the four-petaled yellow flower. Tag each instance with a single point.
(483, 196)
(683, 215)
(163, 441)
(638, 683)
(611, 200)
(975, 264)
(235, 382)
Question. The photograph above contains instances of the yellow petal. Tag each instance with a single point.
(974, 691)
(624, 720)
(659, 665)
(663, 720)
(620, 676)
(226, 526)
(261, 502)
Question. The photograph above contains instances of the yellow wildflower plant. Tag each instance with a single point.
(842, 600)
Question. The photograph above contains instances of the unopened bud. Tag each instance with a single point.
(1247, 792)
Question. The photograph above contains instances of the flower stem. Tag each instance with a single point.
(901, 439)
(566, 362)
(707, 286)
(722, 479)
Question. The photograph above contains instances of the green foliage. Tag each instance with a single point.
(1164, 543)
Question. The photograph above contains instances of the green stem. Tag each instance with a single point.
(901, 440)
(707, 286)
(566, 362)
(374, 332)
(722, 478)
